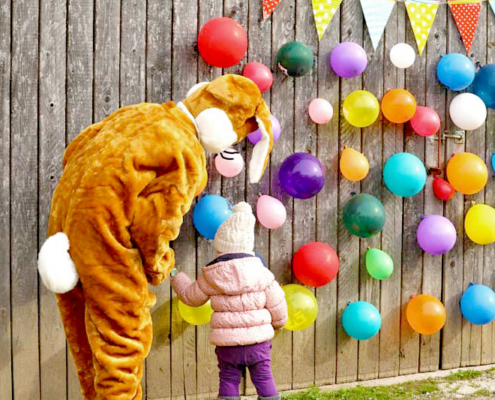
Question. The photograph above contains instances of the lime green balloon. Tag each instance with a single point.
(302, 307)
(196, 315)
(379, 264)
(361, 108)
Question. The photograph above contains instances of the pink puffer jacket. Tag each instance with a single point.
(248, 303)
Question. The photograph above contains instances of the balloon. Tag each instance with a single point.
(301, 175)
(364, 215)
(320, 111)
(259, 74)
(196, 315)
(295, 59)
(315, 264)
(425, 314)
(229, 163)
(404, 174)
(402, 55)
(354, 165)
(442, 189)
(468, 111)
(467, 173)
(478, 304)
(361, 108)
(398, 106)
(210, 212)
(361, 320)
(484, 85)
(348, 60)
(270, 212)
(480, 224)
(456, 71)
(255, 137)
(426, 121)
(302, 307)
(436, 235)
(493, 162)
(379, 264)
(222, 42)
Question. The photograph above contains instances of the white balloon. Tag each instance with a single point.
(468, 111)
(402, 55)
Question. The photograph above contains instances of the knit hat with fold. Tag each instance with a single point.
(236, 234)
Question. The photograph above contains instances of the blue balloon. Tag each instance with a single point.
(404, 174)
(484, 85)
(210, 212)
(456, 71)
(478, 304)
(361, 320)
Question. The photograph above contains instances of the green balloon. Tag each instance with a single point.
(364, 215)
(295, 59)
(379, 264)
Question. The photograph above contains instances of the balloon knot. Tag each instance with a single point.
(348, 303)
(368, 248)
(471, 284)
(413, 296)
(353, 193)
(422, 216)
(345, 147)
(473, 203)
(259, 194)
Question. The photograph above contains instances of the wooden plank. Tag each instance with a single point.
(24, 199)
(52, 98)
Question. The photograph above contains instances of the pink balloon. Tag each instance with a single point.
(270, 212)
(229, 163)
(426, 121)
(255, 137)
(320, 111)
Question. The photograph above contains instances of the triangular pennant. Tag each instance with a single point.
(492, 3)
(268, 7)
(466, 14)
(422, 14)
(324, 10)
(377, 13)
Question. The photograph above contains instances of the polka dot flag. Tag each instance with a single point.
(466, 14)
(268, 7)
(324, 10)
(422, 14)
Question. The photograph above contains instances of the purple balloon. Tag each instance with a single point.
(348, 60)
(255, 137)
(436, 235)
(301, 175)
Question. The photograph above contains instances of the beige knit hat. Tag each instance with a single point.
(236, 235)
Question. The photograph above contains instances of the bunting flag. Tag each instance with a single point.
(422, 14)
(376, 14)
(268, 7)
(324, 10)
(466, 14)
(492, 3)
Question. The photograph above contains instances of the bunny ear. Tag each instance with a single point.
(262, 149)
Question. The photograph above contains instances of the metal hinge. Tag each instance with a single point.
(458, 136)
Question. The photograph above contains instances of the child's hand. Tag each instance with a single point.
(174, 272)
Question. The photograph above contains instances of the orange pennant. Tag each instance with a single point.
(466, 14)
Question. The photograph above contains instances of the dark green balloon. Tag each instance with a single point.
(364, 215)
(295, 59)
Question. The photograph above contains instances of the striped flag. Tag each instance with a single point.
(376, 13)
(492, 3)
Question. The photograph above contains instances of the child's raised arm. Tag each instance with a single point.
(190, 293)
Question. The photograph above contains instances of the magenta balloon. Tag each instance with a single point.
(436, 235)
(255, 137)
(348, 60)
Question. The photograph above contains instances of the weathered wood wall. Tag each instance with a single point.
(66, 63)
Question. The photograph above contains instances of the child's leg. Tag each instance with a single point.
(230, 372)
(260, 369)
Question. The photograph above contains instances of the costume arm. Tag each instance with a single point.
(190, 293)
(276, 304)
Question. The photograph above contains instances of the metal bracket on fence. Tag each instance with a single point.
(458, 136)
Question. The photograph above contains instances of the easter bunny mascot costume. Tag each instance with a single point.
(127, 181)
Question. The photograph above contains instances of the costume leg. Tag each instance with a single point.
(230, 372)
(260, 369)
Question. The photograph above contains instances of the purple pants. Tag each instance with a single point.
(232, 361)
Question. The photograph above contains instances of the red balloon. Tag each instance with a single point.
(426, 121)
(442, 189)
(315, 264)
(222, 42)
(259, 74)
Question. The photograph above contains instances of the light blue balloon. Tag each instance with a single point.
(210, 212)
(456, 71)
(478, 304)
(404, 174)
(361, 320)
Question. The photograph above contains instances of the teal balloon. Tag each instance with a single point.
(404, 174)
(379, 264)
(361, 320)
(295, 59)
(364, 215)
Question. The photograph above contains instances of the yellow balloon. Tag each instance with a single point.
(361, 108)
(467, 173)
(196, 315)
(480, 224)
(302, 307)
(354, 165)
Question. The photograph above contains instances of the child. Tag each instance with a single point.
(248, 305)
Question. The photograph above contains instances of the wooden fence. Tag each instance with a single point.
(67, 63)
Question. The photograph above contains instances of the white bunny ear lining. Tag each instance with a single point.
(215, 130)
(196, 87)
(260, 152)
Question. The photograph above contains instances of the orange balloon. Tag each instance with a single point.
(398, 106)
(426, 314)
(204, 182)
(467, 173)
(353, 164)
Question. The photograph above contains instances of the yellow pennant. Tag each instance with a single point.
(422, 14)
(324, 10)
